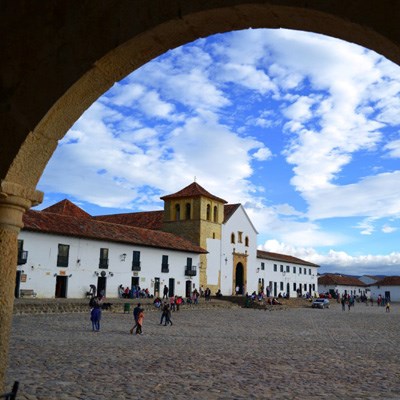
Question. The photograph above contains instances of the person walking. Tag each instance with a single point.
(165, 292)
(95, 317)
(164, 310)
(343, 302)
(168, 317)
(136, 312)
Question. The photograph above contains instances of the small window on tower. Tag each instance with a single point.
(187, 216)
(208, 212)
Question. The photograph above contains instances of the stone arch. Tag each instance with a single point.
(117, 50)
(57, 64)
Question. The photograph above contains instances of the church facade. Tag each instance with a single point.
(197, 241)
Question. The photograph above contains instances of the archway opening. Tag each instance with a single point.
(239, 279)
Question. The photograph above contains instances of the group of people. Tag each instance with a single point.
(133, 293)
(174, 302)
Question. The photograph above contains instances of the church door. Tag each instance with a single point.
(239, 278)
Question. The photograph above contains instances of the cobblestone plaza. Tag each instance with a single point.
(221, 353)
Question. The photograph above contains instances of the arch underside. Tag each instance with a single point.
(72, 70)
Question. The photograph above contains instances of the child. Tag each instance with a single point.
(139, 322)
(387, 307)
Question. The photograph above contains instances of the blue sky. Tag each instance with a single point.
(302, 129)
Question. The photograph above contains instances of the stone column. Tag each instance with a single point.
(14, 201)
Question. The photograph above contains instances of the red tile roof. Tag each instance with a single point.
(89, 228)
(152, 219)
(147, 219)
(332, 279)
(66, 207)
(193, 190)
(229, 210)
(387, 281)
(266, 255)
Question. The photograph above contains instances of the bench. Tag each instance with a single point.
(27, 293)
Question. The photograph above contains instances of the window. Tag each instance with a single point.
(299, 270)
(103, 263)
(287, 268)
(22, 255)
(215, 214)
(187, 211)
(313, 287)
(305, 287)
(63, 254)
(294, 270)
(246, 241)
(177, 212)
(262, 266)
(281, 286)
(232, 238)
(309, 271)
(294, 286)
(208, 212)
(190, 269)
(164, 264)
(240, 237)
(275, 268)
(136, 261)
(281, 268)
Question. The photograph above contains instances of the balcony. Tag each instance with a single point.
(22, 257)
(103, 263)
(136, 266)
(191, 271)
(165, 268)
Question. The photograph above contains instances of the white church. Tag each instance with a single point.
(198, 241)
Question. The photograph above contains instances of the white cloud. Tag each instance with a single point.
(262, 154)
(393, 148)
(374, 196)
(388, 229)
(339, 261)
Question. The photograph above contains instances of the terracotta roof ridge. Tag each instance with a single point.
(66, 207)
(193, 190)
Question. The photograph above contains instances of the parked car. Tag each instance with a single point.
(320, 303)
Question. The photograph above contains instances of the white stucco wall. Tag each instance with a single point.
(380, 290)
(342, 289)
(41, 268)
(238, 222)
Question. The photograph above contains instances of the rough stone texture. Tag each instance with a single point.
(8, 260)
(215, 353)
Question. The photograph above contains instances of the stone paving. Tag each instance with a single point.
(216, 353)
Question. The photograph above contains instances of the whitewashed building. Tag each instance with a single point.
(197, 241)
(286, 275)
(387, 288)
(342, 284)
(63, 250)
